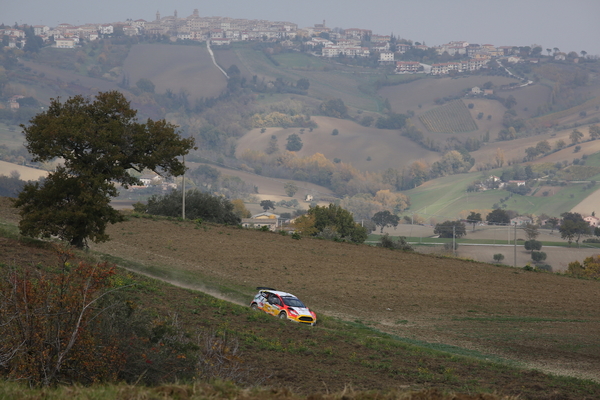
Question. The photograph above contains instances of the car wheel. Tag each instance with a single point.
(254, 306)
(282, 315)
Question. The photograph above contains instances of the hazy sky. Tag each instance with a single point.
(570, 25)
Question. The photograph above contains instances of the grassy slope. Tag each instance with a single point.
(337, 353)
(176, 68)
(447, 198)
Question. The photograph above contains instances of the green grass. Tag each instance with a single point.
(327, 80)
(445, 198)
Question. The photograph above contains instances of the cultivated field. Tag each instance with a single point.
(354, 144)
(453, 117)
(501, 241)
(541, 320)
(177, 68)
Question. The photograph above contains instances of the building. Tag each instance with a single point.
(403, 67)
(65, 43)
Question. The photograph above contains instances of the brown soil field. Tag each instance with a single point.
(408, 96)
(502, 241)
(25, 173)
(542, 320)
(354, 144)
(175, 68)
(538, 320)
(515, 149)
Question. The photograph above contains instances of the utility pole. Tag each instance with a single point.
(454, 240)
(515, 245)
(183, 191)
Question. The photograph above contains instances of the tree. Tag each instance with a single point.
(334, 108)
(594, 131)
(573, 226)
(305, 224)
(543, 147)
(498, 217)
(531, 231)
(145, 85)
(290, 188)
(449, 229)
(273, 147)
(553, 222)
(267, 205)
(510, 101)
(303, 84)
(499, 157)
(100, 142)
(385, 219)
(575, 136)
(340, 220)
(538, 256)
(474, 218)
(531, 245)
(335, 132)
(589, 269)
(239, 209)
(198, 205)
(560, 144)
(498, 257)
(294, 143)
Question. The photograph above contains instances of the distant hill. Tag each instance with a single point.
(175, 68)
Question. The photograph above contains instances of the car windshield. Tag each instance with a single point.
(293, 302)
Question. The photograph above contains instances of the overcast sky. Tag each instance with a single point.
(570, 25)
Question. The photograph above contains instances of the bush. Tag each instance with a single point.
(533, 245)
(448, 246)
(538, 256)
(401, 244)
(498, 257)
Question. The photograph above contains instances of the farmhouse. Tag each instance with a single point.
(521, 220)
(592, 220)
(257, 221)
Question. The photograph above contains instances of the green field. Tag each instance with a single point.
(447, 197)
(325, 83)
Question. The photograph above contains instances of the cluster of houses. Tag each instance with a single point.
(219, 31)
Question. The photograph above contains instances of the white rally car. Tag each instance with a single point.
(283, 305)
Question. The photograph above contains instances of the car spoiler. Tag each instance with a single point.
(264, 288)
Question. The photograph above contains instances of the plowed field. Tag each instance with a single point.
(544, 321)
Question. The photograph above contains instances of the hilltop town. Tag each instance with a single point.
(404, 55)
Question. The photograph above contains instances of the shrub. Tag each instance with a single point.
(448, 246)
(538, 256)
(498, 257)
(401, 244)
(533, 245)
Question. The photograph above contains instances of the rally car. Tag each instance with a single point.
(283, 305)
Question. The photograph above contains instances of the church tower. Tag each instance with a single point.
(157, 16)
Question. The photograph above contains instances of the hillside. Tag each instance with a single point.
(354, 144)
(175, 68)
(487, 313)
(437, 300)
